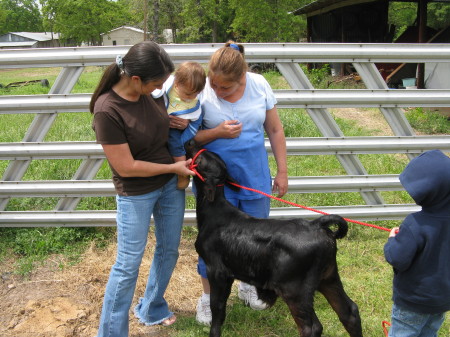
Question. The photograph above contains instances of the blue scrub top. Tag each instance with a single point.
(245, 156)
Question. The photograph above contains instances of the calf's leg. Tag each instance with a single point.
(300, 300)
(345, 308)
(220, 291)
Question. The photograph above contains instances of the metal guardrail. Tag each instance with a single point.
(108, 218)
(295, 146)
(305, 98)
(287, 57)
(85, 188)
(254, 52)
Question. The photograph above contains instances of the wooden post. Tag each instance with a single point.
(422, 15)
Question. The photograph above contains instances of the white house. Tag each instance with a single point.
(29, 40)
(127, 35)
(124, 35)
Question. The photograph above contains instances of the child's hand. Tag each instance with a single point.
(394, 232)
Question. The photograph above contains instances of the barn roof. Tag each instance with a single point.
(323, 6)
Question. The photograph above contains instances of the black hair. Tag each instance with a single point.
(146, 59)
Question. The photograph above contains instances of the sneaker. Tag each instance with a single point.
(183, 182)
(248, 294)
(203, 315)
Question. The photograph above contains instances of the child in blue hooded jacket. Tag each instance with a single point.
(419, 251)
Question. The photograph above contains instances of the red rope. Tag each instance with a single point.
(310, 209)
(193, 165)
(193, 168)
(384, 325)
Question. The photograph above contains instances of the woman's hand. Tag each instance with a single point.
(226, 129)
(280, 184)
(178, 123)
(229, 129)
(182, 168)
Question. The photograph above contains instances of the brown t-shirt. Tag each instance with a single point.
(144, 125)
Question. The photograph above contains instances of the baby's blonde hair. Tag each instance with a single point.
(191, 75)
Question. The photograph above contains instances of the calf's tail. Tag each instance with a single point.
(327, 220)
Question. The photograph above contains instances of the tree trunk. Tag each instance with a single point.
(145, 19)
(155, 35)
(215, 26)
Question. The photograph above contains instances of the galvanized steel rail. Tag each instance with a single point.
(295, 146)
(96, 188)
(108, 218)
(254, 52)
(306, 98)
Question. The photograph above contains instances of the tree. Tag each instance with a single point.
(438, 15)
(171, 17)
(403, 15)
(83, 21)
(155, 28)
(19, 16)
(267, 21)
(207, 20)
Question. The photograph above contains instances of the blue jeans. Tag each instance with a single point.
(407, 323)
(259, 208)
(167, 205)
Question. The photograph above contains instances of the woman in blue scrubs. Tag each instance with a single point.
(239, 108)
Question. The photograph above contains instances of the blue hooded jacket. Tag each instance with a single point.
(420, 252)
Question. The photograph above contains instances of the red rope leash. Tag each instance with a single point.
(193, 166)
(310, 209)
(385, 324)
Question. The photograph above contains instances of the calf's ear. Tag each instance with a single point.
(231, 183)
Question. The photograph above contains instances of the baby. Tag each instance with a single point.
(181, 91)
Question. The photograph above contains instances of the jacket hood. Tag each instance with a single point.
(427, 180)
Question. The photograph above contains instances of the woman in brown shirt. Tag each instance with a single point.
(132, 126)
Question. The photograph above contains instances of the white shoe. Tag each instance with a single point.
(248, 294)
(203, 315)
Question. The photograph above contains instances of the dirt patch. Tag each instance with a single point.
(369, 119)
(65, 303)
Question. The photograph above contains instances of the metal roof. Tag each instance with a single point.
(17, 44)
(327, 5)
(44, 36)
(323, 6)
(124, 27)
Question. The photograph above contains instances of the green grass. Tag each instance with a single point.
(366, 276)
(428, 122)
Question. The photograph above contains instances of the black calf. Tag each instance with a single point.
(287, 258)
